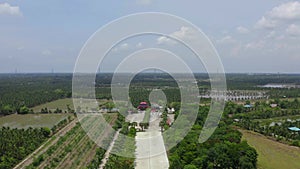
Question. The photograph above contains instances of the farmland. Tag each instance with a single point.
(60, 104)
(32, 120)
(272, 154)
(73, 149)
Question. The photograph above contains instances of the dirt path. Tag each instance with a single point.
(106, 155)
(44, 147)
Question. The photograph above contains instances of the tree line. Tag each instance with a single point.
(20, 92)
(224, 149)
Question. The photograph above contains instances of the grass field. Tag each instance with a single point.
(272, 154)
(31, 120)
(61, 104)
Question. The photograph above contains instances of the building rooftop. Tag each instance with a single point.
(294, 129)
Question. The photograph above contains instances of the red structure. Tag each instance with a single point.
(143, 106)
(169, 122)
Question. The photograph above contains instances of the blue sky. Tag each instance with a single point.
(250, 36)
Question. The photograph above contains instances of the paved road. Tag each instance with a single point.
(150, 151)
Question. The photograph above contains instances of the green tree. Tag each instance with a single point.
(24, 110)
(46, 131)
(190, 166)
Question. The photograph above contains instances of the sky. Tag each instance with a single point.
(250, 36)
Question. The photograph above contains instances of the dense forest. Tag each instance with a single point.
(16, 144)
(21, 91)
(224, 149)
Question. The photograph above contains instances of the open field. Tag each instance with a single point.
(272, 154)
(61, 104)
(32, 120)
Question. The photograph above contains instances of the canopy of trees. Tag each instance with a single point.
(16, 144)
(224, 149)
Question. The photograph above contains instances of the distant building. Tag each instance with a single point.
(275, 123)
(273, 105)
(294, 129)
(169, 122)
(237, 120)
(248, 106)
(143, 106)
(171, 111)
(280, 85)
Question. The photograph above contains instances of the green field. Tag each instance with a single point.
(32, 120)
(272, 154)
(61, 104)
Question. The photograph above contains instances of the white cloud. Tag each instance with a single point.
(242, 30)
(266, 23)
(165, 40)
(289, 10)
(271, 34)
(226, 39)
(280, 14)
(293, 30)
(185, 33)
(7, 9)
(122, 47)
(256, 45)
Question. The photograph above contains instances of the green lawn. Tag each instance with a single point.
(32, 120)
(272, 154)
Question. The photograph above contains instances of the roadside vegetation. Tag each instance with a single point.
(124, 145)
(224, 149)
